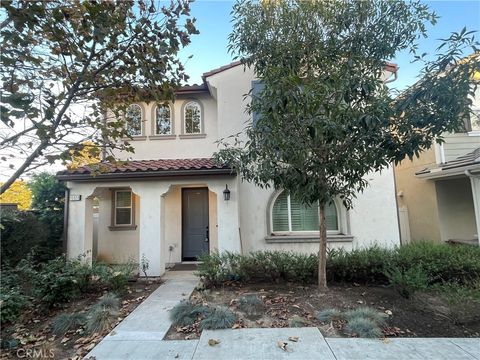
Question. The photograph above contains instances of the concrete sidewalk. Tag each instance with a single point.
(140, 336)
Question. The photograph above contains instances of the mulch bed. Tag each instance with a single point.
(34, 336)
(423, 315)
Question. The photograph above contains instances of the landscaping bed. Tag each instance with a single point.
(425, 314)
(33, 330)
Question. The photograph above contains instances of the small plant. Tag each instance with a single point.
(296, 321)
(185, 313)
(65, 322)
(119, 276)
(12, 302)
(108, 301)
(250, 304)
(406, 282)
(220, 318)
(369, 313)
(328, 315)
(144, 265)
(100, 319)
(363, 327)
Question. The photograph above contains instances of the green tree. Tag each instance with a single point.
(48, 204)
(64, 63)
(324, 116)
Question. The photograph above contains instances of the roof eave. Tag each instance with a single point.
(125, 176)
(457, 171)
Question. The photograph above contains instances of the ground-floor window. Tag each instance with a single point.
(290, 215)
(123, 208)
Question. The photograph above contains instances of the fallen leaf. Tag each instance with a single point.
(236, 326)
(388, 312)
(293, 338)
(177, 356)
(213, 342)
(386, 341)
(64, 340)
(282, 345)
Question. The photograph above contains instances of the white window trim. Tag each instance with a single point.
(290, 231)
(122, 207)
(155, 120)
(184, 127)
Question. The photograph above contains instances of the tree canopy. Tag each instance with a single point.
(325, 116)
(64, 63)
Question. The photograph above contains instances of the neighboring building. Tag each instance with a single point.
(171, 202)
(439, 192)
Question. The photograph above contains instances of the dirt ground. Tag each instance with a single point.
(424, 315)
(35, 337)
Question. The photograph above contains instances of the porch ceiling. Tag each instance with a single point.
(146, 168)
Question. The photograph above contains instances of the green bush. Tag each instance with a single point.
(100, 319)
(365, 312)
(118, 276)
(12, 302)
(219, 318)
(406, 282)
(250, 304)
(440, 263)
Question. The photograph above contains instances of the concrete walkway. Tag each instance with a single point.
(139, 336)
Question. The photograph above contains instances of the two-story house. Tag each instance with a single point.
(439, 192)
(170, 202)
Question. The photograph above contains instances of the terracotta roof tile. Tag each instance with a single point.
(145, 166)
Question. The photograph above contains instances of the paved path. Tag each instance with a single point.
(139, 337)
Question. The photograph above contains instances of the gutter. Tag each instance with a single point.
(124, 176)
(451, 172)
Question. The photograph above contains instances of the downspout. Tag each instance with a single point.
(396, 205)
(65, 221)
(476, 201)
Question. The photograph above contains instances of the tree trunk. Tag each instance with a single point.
(322, 253)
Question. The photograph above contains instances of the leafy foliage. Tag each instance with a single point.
(321, 64)
(17, 193)
(65, 322)
(407, 281)
(12, 302)
(328, 315)
(219, 318)
(363, 327)
(21, 232)
(83, 55)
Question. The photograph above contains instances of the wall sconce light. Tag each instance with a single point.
(226, 193)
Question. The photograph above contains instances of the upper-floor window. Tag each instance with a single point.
(192, 117)
(163, 120)
(290, 215)
(133, 117)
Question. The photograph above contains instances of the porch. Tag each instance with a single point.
(159, 220)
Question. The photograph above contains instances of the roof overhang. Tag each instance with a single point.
(439, 173)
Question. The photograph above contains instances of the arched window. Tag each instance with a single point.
(163, 120)
(290, 215)
(192, 117)
(134, 118)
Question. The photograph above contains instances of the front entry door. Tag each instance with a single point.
(195, 232)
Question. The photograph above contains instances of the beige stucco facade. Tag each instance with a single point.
(240, 224)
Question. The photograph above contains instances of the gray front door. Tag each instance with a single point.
(195, 232)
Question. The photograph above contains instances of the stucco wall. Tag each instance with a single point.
(419, 197)
(456, 210)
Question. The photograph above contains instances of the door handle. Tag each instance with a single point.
(207, 236)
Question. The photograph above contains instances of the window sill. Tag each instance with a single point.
(122, 228)
(135, 138)
(285, 239)
(192, 136)
(162, 137)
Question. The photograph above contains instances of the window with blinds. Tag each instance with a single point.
(290, 215)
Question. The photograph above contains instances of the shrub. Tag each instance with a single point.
(100, 319)
(185, 313)
(65, 322)
(328, 315)
(118, 276)
(296, 321)
(363, 327)
(250, 304)
(406, 282)
(12, 302)
(108, 301)
(219, 318)
(366, 313)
